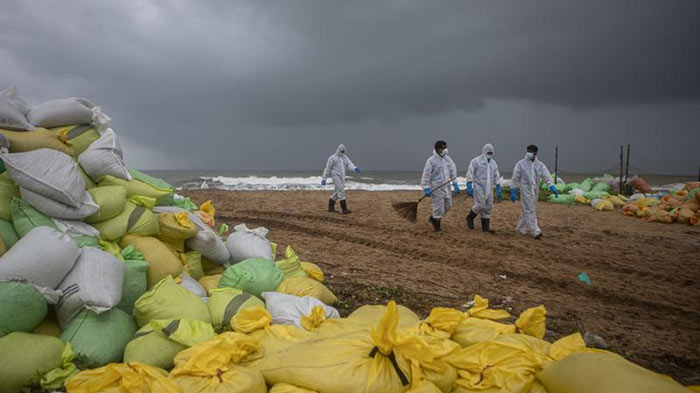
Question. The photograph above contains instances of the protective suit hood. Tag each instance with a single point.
(486, 149)
(341, 149)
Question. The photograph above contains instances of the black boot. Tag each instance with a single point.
(331, 205)
(435, 222)
(344, 206)
(470, 219)
(486, 225)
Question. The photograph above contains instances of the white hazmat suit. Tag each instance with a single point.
(526, 176)
(437, 171)
(484, 175)
(335, 167)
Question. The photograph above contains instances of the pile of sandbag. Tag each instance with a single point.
(681, 206)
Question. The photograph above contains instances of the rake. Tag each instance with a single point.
(409, 210)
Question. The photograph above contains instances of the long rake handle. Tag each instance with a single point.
(437, 188)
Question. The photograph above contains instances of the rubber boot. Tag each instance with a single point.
(344, 206)
(470, 219)
(331, 205)
(486, 225)
(437, 225)
(435, 222)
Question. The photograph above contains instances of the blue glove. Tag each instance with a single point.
(357, 169)
(456, 188)
(470, 189)
(513, 195)
(323, 182)
(499, 192)
(554, 191)
(426, 191)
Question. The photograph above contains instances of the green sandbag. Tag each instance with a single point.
(157, 343)
(80, 136)
(601, 187)
(572, 186)
(133, 220)
(587, 184)
(86, 241)
(8, 233)
(595, 195)
(8, 190)
(193, 266)
(99, 339)
(111, 200)
(22, 307)
(224, 303)
(168, 300)
(253, 275)
(562, 200)
(25, 217)
(26, 357)
(89, 184)
(135, 283)
(136, 187)
(184, 203)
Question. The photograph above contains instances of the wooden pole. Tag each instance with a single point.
(627, 165)
(621, 165)
(556, 162)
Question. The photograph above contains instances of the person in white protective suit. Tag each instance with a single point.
(526, 176)
(335, 167)
(482, 175)
(439, 169)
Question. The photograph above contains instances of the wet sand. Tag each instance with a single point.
(644, 301)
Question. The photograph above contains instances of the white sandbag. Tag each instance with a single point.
(594, 202)
(289, 309)
(76, 228)
(207, 242)
(43, 258)
(104, 157)
(13, 111)
(246, 243)
(193, 286)
(576, 192)
(95, 283)
(56, 209)
(61, 112)
(100, 120)
(49, 173)
(635, 197)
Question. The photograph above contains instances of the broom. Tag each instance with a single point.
(409, 210)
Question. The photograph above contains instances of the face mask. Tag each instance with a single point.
(489, 155)
(342, 152)
(530, 156)
(443, 153)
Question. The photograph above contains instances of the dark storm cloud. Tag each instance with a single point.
(274, 84)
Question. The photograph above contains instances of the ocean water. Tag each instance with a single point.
(311, 180)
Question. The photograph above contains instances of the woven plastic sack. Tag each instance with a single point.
(305, 286)
(168, 300)
(246, 243)
(161, 185)
(111, 201)
(158, 342)
(56, 209)
(162, 262)
(290, 265)
(312, 270)
(562, 199)
(475, 330)
(39, 138)
(295, 310)
(43, 267)
(122, 378)
(61, 112)
(210, 282)
(136, 187)
(78, 136)
(8, 191)
(22, 307)
(193, 265)
(135, 283)
(254, 276)
(8, 234)
(104, 157)
(26, 358)
(175, 228)
(133, 220)
(95, 283)
(13, 111)
(481, 310)
(192, 285)
(287, 388)
(99, 339)
(605, 205)
(225, 303)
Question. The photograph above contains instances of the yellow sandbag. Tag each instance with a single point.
(442, 319)
(475, 330)
(616, 200)
(162, 261)
(287, 388)
(582, 199)
(305, 286)
(565, 346)
(122, 378)
(251, 319)
(481, 310)
(79, 136)
(605, 205)
(290, 265)
(211, 268)
(212, 366)
(603, 372)
(208, 209)
(133, 220)
(175, 230)
(168, 300)
(210, 282)
(532, 322)
(368, 315)
(370, 363)
(312, 270)
(49, 326)
(135, 187)
(39, 138)
(225, 303)
(8, 190)
(493, 366)
(192, 264)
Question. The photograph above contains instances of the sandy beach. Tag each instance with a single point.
(644, 301)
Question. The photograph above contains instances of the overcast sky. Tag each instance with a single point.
(264, 84)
